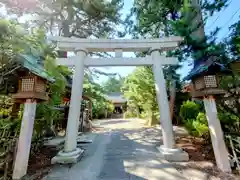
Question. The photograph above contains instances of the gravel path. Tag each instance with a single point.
(131, 154)
(124, 150)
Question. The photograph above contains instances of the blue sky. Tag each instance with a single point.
(223, 19)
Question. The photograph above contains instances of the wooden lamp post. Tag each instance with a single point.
(205, 84)
(31, 90)
(31, 86)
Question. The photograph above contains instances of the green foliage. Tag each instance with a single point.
(194, 121)
(14, 41)
(153, 19)
(101, 107)
(97, 93)
(196, 128)
(4, 113)
(230, 123)
(110, 107)
(130, 114)
(10, 126)
(144, 115)
(227, 117)
(139, 89)
(78, 18)
(47, 116)
(188, 124)
(189, 110)
(234, 41)
(163, 18)
(230, 103)
(13, 38)
(201, 129)
(113, 84)
(201, 117)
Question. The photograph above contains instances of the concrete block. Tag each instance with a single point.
(173, 155)
(68, 157)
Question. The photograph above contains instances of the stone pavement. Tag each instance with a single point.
(125, 150)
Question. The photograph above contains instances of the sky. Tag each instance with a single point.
(223, 19)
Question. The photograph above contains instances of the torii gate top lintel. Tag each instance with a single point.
(110, 45)
(118, 46)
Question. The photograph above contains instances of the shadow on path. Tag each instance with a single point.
(132, 154)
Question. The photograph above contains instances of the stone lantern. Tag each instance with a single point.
(31, 86)
(205, 78)
(205, 84)
(31, 89)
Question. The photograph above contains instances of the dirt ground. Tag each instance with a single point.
(201, 159)
(40, 163)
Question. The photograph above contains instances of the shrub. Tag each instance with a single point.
(99, 108)
(188, 124)
(201, 117)
(197, 127)
(201, 129)
(189, 110)
(144, 115)
(227, 118)
(4, 113)
(130, 114)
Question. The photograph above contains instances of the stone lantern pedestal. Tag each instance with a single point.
(31, 90)
(205, 85)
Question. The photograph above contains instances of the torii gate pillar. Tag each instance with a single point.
(167, 150)
(70, 153)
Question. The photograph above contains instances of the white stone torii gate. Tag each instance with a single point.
(71, 153)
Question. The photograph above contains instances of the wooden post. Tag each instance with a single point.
(15, 109)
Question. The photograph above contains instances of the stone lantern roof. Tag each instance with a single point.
(30, 62)
(206, 65)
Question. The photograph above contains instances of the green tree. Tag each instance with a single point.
(15, 40)
(78, 18)
(230, 103)
(189, 110)
(234, 41)
(139, 89)
(113, 84)
(163, 18)
(72, 18)
(154, 19)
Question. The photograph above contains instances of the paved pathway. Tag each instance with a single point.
(126, 150)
